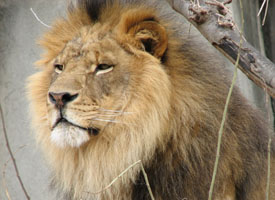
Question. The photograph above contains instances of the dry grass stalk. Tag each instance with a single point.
(125, 171)
(226, 109)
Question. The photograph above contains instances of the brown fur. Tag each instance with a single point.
(172, 105)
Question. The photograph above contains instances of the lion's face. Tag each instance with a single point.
(90, 87)
(100, 80)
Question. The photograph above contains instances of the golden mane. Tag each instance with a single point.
(176, 107)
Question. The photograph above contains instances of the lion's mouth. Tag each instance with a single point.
(90, 130)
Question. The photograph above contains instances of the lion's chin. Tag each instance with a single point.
(68, 135)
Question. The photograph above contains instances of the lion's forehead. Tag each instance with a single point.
(92, 47)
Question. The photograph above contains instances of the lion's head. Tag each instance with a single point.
(99, 79)
(102, 91)
(98, 82)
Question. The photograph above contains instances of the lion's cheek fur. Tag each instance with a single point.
(38, 85)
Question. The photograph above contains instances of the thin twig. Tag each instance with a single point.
(227, 2)
(267, 104)
(266, 9)
(265, 13)
(4, 173)
(125, 171)
(226, 109)
(262, 6)
(268, 168)
(147, 181)
(35, 15)
(11, 155)
(7, 194)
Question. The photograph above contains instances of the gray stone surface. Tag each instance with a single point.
(18, 32)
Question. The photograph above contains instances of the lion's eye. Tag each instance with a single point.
(58, 68)
(103, 68)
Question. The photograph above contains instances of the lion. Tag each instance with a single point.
(116, 85)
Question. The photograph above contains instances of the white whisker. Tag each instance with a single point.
(110, 120)
(115, 111)
(106, 120)
(108, 115)
(88, 115)
(44, 117)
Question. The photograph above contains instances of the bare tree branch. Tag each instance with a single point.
(11, 155)
(217, 26)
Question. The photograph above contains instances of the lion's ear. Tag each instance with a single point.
(147, 33)
(152, 36)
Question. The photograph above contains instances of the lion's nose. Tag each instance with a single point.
(61, 99)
